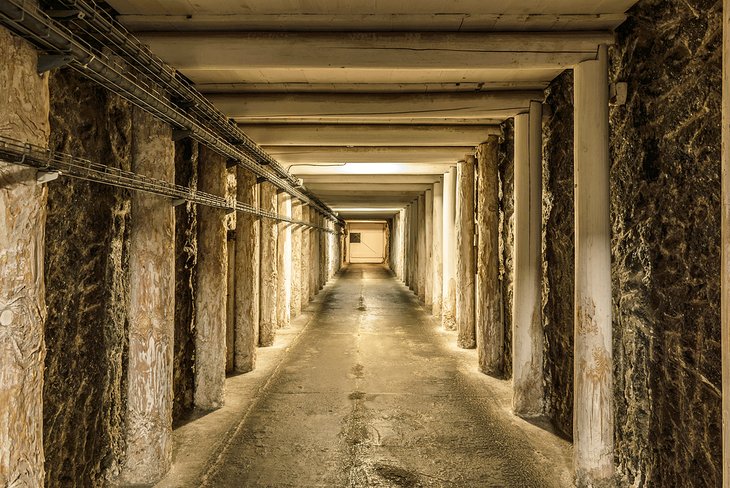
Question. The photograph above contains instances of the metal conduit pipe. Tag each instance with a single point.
(51, 37)
(52, 164)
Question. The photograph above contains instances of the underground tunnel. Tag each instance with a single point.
(327, 243)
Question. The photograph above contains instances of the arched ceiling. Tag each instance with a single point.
(370, 101)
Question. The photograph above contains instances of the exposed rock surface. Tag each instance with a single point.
(186, 248)
(506, 235)
(87, 290)
(665, 195)
(558, 253)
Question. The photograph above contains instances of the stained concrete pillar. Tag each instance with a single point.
(248, 230)
(284, 264)
(322, 252)
(151, 307)
(24, 115)
(421, 243)
(210, 294)
(305, 257)
(313, 255)
(465, 271)
(437, 264)
(268, 291)
(296, 259)
(725, 247)
(448, 295)
(230, 300)
(489, 325)
(593, 405)
(428, 250)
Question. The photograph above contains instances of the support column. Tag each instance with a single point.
(465, 272)
(151, 307)
(269, 274)
(489, 325)
(448, 304)
(296, 260)
(322, 252)
(402, 244)
(527, 335)
(305, 257)
(725, 246)
(593, 405)
(247, 274)
(313, 255)
(284, 261)
(421, 250)
(210, 295)
(24, 116)
(437, 265)
(428, 250)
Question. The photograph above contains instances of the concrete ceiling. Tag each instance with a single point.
(371, 101)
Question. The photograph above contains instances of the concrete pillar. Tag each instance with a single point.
(305, 258)
(248, 235)
(593, 405)
(527, 335)
(421, 243)
(402, 243)
(448, 295)
(725, 247)
(24, 116)
(437, 265)
(284, 257)
(296, 260)
(428, 250)
(210, 292)
(322, 252)
(230, 301)
(489, 325)
(151, 307)
(269, 267)
(313, 255)
(465, 271)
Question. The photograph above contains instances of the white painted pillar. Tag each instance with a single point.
(437, 265)
(248, 235)
(269, 267)
(210, 292)
(448, 295)
(489, 323)
(527, 334)
(725, 246)
(593, 400)
(296, 260)
(465, 270)
(428, 250)
(23, 116)
(152, 307)
(283, 297)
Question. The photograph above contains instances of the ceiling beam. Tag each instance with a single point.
(369, 135)
(314, 155)
(282, 107)
(433, 87)
(375, 179)
(376, 188)
(375, 50)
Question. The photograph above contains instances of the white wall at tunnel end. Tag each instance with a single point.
(366, 241)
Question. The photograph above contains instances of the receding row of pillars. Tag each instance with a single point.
(277, 269)
(457, 274)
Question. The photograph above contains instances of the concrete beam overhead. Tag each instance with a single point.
(374, 179)
(289, 155)
(368, 135)
(332, 87)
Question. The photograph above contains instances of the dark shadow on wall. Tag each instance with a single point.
(86, 273)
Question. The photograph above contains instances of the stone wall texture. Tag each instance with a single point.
(186, 249)
(87, 288)
(505, 156)
(665, 198)
(558, 253)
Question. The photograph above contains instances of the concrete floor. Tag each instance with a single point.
(372, 394)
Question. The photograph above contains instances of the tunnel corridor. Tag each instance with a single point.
(352, 243)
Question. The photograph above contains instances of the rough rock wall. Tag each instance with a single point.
(665, 198)
(87, 285)
(558, 253)
(506, 235)
(186, 248)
